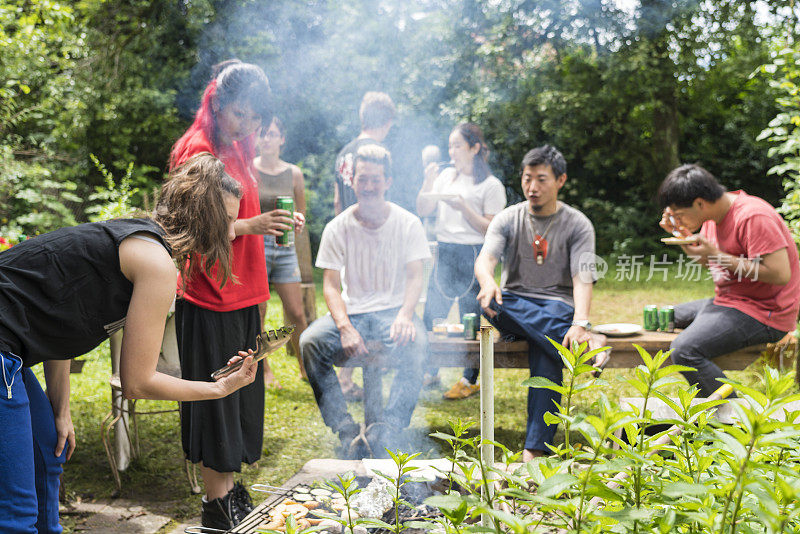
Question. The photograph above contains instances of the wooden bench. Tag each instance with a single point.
(454, 352)
(459, 352)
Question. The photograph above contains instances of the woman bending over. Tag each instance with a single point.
(64, 292)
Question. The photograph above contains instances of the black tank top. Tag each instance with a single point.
(62, 293)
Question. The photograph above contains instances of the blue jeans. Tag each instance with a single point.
(712, 331)
(282, 264)
(534, 320)
(453, 277)
(29, 469)
(321, 348)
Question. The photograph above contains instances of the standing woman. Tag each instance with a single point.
(63, 293)
(211, 320)
(465, 198)
(279, 178)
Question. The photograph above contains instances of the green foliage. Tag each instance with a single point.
(35, 202)
(83, 78)
(34, 41)
(114, 200)
(625, 95)
(699, 476)
(396, 484)
(784, 130)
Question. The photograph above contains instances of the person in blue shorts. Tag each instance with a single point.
(280, 178)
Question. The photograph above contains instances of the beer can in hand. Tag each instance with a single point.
(472, 324)
(287, 239)
(651, 317)
(666, 319)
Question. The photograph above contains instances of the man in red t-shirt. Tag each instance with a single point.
(754, 263)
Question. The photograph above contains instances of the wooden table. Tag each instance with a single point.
(458, 352)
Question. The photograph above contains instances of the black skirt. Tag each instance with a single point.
(221, 433)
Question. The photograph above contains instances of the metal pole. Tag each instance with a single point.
(487, 409)
(119, 404)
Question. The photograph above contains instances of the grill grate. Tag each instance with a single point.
(261, 513)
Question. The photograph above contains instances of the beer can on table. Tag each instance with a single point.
(472, 324)
(287, 239)
(651, 317)
(666, 319)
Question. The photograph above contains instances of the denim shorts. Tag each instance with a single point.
(282, 265)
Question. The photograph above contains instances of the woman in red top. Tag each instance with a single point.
(213, 320)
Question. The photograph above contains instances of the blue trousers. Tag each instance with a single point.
(452, 278)
(534, 320)
(321, 348)
(29, 469)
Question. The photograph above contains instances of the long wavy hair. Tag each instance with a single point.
(472, 134)
(231, 81)
(191, 210)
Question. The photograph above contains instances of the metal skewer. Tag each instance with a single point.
(267, 342)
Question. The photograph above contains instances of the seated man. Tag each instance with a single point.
(542, 242)
(372, 255)
(754, 263)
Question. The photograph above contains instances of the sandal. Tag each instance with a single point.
(353, 444)
(358, 448)
(375, 436)
(354, 393)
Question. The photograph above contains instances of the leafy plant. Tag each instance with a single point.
(401, 461)
(113, 201)
(784, 130)
(699, 475)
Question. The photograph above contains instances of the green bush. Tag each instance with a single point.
(784, 130)
(699, 476)
(34, 202)
(112, 201)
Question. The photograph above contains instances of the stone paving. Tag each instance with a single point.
(119, 516)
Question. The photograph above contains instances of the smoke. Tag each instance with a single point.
(442, 62)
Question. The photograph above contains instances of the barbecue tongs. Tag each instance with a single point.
(267, 342)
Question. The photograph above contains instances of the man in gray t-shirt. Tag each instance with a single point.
(547, 249)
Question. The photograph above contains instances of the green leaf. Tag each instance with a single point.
(680, 489)
(544, 383)
(629, 514)
(556, 484)
(732, 445)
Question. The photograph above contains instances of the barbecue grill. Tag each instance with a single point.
(414, 493)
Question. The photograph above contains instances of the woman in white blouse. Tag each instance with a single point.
(464, 196)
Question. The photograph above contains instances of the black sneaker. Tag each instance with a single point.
(242, 498)
(223, 513)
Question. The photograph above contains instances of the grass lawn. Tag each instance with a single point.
(293, 429)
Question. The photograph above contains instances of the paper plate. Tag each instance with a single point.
(679, 240)
(439, 196)
(618, 329)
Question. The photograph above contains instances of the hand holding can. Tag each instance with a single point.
(287, 239)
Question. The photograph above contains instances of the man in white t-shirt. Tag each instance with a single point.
(372, 255)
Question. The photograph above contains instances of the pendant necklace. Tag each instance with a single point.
(539, 241)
